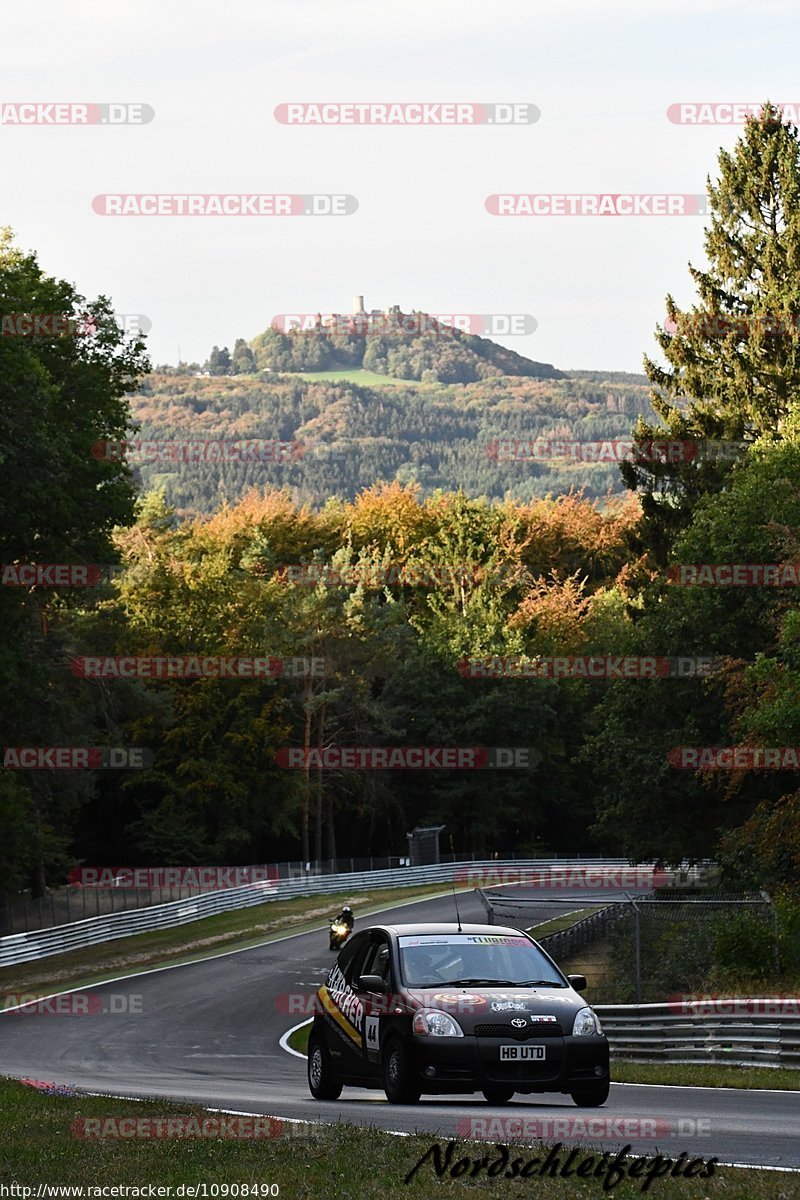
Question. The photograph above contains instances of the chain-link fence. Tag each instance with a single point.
(646, 949)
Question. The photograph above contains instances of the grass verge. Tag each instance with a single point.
(706, 1075)
(557, 924)
(299, 1039)
(200, 939)
(40, 1147)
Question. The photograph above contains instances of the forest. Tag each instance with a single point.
(393, 552)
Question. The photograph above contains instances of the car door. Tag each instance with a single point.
(377, 961)
(342, 1010)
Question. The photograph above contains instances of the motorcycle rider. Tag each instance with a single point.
(345, 918)
(343, 922)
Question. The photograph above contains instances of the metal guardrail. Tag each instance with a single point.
(710, 1034)
(121, 889)
(41, 943)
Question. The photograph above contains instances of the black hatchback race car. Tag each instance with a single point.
(446, 1008)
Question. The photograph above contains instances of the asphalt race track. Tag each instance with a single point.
(209, 1032)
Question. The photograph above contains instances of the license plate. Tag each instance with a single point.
(521, 1053)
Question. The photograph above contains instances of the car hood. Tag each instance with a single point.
(484, 1005)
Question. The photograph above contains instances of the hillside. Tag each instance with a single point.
(442, 436)
(414, 346)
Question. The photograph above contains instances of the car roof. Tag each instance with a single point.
(421, 929)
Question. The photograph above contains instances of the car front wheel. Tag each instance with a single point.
(398, 1080)
(323, 1081)
(591, 1097)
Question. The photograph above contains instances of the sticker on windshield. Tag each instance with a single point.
(428, 941)
(499, 940)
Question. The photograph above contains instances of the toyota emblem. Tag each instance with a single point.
(518, 1023)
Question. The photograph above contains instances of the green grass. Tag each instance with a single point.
(39, 1146)
(557, 924)
(705, 1075)
(356, 375)
(299, 1039)
(200, 939)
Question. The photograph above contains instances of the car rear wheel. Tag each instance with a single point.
(323, 1081)
(398, 1080)
(498, 1095)
(591, 1097)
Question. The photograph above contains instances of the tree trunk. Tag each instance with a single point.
(320, 789)
(307, 779)
(331, 829)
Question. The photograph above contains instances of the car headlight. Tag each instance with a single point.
(587, 1024)
(431, 1023)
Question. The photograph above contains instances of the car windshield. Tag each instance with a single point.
(467, 960)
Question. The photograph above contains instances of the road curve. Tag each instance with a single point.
(209, 1032)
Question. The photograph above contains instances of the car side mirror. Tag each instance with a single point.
(373, 983)
(578, 982)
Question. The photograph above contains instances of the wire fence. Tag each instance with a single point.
(656, 948)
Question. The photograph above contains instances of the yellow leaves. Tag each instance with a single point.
(554, 613)
(389, 513)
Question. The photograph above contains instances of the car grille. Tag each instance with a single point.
(539, 1029)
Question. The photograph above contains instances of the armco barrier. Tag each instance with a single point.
(41, 943)
(722, 1032)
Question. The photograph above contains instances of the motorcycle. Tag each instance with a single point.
(339, 933)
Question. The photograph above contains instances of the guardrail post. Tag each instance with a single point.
(637, 934)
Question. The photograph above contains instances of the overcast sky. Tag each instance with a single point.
(603, 76)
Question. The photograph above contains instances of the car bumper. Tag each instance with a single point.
(470, 1063)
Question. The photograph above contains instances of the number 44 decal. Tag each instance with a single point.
(371, 1032)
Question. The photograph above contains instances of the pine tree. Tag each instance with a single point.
(219, 361)
(734, 358)
(243, 360)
